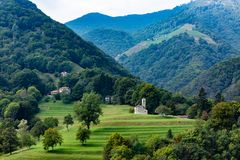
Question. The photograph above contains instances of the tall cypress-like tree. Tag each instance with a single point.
(219, 98)
(169, 134)
(202, 102)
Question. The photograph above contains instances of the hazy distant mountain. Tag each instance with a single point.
(31, 40)
(129, 23)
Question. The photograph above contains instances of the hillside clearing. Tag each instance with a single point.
(115, 119)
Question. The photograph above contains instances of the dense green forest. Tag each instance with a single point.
(36, 47)
(223, 77)
(118, 41)
(174, 66)
(218, 19)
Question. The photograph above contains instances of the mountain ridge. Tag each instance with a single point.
(215, 34)
(31, 40)
(129, 23)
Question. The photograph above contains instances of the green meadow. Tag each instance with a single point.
(116, 118)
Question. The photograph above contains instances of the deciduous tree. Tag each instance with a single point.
(89, 110)
(68, 120)
(83, 134)
(51, 138)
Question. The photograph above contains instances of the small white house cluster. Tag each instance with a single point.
(64, 74)
(141, 109)
(65, 90)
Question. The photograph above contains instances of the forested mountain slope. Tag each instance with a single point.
(110, 41)
(174, 66)
(31, 40)
(217, 18)
(167, 58)
(181, 46)
(223, 77)
(114, 35)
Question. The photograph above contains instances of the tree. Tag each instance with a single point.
(12, 110)
(33, 91)
(202, 101)
(27, 78)
(121, 86)
(68, 120)
(25, 138)
(28, 108)
(165, 153)
(155, 142)
(51, 138)
(83, 134)
(51, 122)
(103, 84)
(3, 105)
(9, 140)
(121, 152)
(163, 110)
(38, 129)
(224, 115)
(192, 111)
(66, 98)
(219, 98)
(114, 141)
(89, 110)
(169, 134)
(136, 146)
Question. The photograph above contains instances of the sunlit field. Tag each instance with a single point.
(116, 118)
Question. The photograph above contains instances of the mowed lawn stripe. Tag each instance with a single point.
(116, 118)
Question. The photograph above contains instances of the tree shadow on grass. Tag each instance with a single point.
(92, 145)
(18, 151)
(78, 149)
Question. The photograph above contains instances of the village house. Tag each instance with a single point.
(109, 99)
(64, 74)
(54, 92)
(141, 109)
(66, 90)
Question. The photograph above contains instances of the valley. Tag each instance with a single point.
(115, 119)
(155, 86)
(213, 25)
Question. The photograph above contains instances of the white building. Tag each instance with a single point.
(141, 109)
(54, 92)
(109, 99)
(66, 90)
(64, 74)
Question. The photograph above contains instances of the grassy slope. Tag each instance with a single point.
(187, 28)
(115, 119)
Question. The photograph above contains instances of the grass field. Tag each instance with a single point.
(115, 119)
